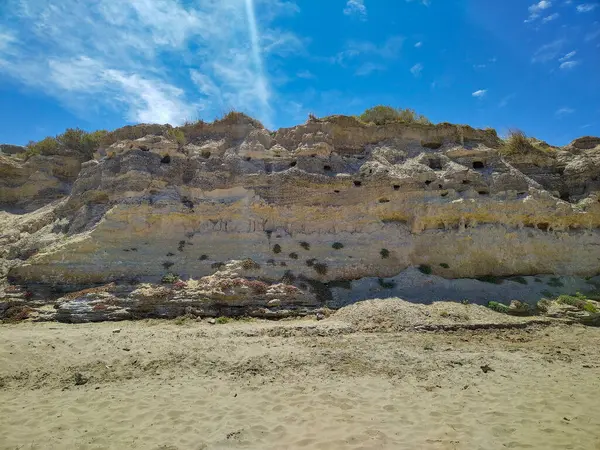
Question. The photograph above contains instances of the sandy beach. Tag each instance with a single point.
(302, 384)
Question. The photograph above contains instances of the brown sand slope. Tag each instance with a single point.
(298, 384)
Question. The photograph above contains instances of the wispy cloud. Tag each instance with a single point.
(306, 74)
(422, 2)
(419, 44)
(151, 60)
(368, 68)
(389, 50)
(356, 8)
(550, 18)
(505, 100)
(548, 52)
(568, 56)
(569, 64)
(586, 7)
(480, 93)
(536, 9)
(563, 111)
(416, 69)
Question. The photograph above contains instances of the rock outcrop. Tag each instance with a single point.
(327, 202)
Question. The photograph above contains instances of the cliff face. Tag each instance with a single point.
(325, 202)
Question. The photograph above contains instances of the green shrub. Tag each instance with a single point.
(578, 301)
(385, 253)
(519, 280)
(277, 248)
(170, 278)
(293, 255)
(47, 146)
(444, 265)
(517, 143)
(498, 307)
(337, 245)
(425, 269)
(311, 262)
(177, 135)
(305, 245)
(381, 115)
(223, 320)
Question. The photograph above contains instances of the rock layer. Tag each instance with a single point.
(329, 201)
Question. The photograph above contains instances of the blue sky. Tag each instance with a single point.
(505, 64)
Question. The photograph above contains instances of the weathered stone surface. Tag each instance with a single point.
(392, 196)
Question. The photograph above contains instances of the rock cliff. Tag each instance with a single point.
(276, 223)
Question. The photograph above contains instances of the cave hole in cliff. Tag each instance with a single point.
(396, 187)
(565, 196)
(435, 164)
(293, 164)
(466, 182)
(444, 194)
(187, 202)
(247, 158)
(543, 226)
(336, 191)
(428, 182)
(327, 168)
(478, 165)
(166, 159)
(357, 183)
(483, 192)
(268, 168)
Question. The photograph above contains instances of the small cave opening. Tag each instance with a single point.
(166, 159)
(440, 186)
(247, 158)
(268, 168)
(466, 181)
(428, 182)
(566, 197)
(384, 200)
(478, 165)
(543, 226)
(435, 164)
(357, 183)
(293, 164)
(444, 194)
(327, 168)
(336, 191)
(483, 192)
(396, 187)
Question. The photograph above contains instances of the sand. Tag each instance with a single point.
(301, 384)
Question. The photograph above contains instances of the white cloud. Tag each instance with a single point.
(368, 68)
(356, 8)
(419, 44)
(568, 56)
(564, 111)
(550, 18)
(147, 59)
(480, 93)
(548, 52)
(416, 69)
(586, 7)
(569, 64)
(536, 9)
(479, 66)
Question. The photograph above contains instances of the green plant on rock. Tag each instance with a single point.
(490, 279)
(305, 245)
(293, 255)
(386, 284)
(277, 248)
(498, 307)
(337, 245)
(385, 253)
(444, 266)
(555, 282)
(177, 135)
(223, 320)
(250, 264)
(320, 268)
(425, 269)
(170, 278)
